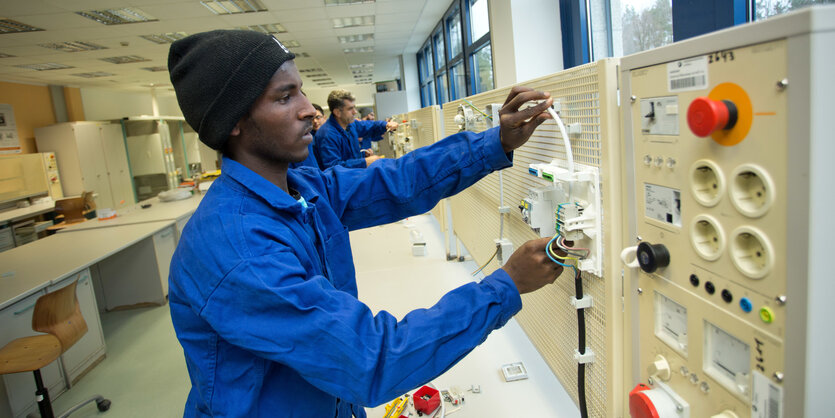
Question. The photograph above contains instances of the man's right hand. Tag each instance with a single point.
(371, 159)
(530, 268)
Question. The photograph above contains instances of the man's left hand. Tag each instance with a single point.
(391, 126)
(518, 125)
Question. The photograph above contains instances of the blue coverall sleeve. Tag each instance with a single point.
(393, 189)
(330, 154)
(336, 343)
(370, 128)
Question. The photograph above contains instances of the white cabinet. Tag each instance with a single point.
(87, 351)
(91, 157)
(20, 387)
(165, 242)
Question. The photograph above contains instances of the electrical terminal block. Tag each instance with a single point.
(584, 358)
(569, 221)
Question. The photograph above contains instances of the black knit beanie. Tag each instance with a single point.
(218, 75)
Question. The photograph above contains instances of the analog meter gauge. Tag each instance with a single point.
(727, 359)
(671, 323)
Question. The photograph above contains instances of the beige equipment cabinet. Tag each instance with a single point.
(737, 322)
(588, 100)
(91, 157)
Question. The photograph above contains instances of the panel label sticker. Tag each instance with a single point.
(767, 398)
(687, 75)
(662, 204)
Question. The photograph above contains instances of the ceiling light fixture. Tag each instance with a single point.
(228, 7)
(359, 50)
(351, 22)
(13, 26)
(155, 69)
(76, 46)
(118, 16)
(347, 39)
(44, 66)
(268, 28)
(94, 74)
(164, 38)
(125, 59)
(346, 2)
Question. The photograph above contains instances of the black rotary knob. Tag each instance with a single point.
(652, 256)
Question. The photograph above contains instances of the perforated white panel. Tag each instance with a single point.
(587, 95)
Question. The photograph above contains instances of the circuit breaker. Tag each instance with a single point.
(726, 141)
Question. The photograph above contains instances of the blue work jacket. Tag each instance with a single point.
(263, 291)
(366, 141)
(337, 146)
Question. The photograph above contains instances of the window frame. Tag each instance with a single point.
(468, 49)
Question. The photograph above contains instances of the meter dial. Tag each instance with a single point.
(727, 359)
(671, 323)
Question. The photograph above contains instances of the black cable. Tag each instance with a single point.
(581, 336)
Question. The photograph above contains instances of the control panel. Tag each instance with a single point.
(706, 262)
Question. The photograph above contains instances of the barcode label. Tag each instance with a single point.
(683, 83)
(688, 74)
(767, 398)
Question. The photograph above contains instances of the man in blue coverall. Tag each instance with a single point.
(337, 141)
(263, 293)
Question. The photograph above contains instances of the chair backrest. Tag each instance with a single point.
(58, 313)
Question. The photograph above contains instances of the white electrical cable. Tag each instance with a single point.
(501, 205)
(566, 141)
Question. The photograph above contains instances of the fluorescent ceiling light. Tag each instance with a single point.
(164, 38)
(350, 22)
(359, 50)
(94, 74)
(76, 46)
(44, 66)
(268, 28)
(228, 7)
(2, 55)
(13, 26)
(319, 80)
(359, 66)
(118, 16)
(356, 38)
(290, 44)
(125, 59)
(346, 2)
(155, 69)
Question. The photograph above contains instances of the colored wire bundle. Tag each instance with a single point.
(488, 261)
(478, 110)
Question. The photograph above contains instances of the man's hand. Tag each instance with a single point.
(367, 152)
(530, 268)
(391, 126)
(371, 159)
(517, 126)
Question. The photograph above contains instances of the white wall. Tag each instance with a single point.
(105, 104)
(411, 84)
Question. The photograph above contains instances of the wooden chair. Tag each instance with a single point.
(59, 316)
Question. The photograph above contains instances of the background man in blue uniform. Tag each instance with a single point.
(337, 141)
(263, 292)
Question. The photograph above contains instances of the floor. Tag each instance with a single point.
(144, 374)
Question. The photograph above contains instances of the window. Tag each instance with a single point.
(453, 27)
(460, 47)
(479, 21)
(482, 64)
(769, 8)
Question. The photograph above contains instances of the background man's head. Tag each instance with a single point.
(341, 104)
(319, 119)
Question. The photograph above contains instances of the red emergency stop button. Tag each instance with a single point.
(706, 116)
(640, 405)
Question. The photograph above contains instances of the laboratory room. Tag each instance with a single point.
(416, 208)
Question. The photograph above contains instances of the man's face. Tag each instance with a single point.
(346, 114)
(277, 129)
(318, 120)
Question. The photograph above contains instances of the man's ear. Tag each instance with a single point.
(237, 129)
